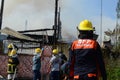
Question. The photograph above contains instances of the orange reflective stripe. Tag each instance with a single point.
(84, 44)
(91, 75)
(76, 77)
(73, 44)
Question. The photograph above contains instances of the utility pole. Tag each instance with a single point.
(55, 27)
(1, 13)
(59, 26)
(101, 25)
(117, 29)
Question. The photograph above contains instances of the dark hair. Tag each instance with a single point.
(86, 34)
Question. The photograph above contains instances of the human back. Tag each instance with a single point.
(86, 55)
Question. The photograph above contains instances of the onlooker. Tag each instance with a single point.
(37, 64)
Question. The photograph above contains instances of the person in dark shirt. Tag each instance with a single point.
(64, 59)
(62, 56)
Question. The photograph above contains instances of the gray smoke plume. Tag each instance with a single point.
(39, 14)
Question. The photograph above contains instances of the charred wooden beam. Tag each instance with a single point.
(37, 30)
(39, 39)
(1, 13)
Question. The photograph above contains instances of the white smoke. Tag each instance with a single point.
(40, 14)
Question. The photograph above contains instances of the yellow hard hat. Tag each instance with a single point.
(10, 46)
(38, 50)
(13, 52)
(85, 25)
(55, 51)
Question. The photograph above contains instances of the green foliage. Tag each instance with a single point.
(112, 67)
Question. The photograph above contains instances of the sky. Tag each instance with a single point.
(39, 14)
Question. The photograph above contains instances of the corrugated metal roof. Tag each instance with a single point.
(14, 33)
(3, 37)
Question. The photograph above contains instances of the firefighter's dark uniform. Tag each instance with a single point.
(86, 56)
(12, 64)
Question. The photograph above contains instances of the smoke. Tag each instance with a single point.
(107, 23)
(10, 5)
(36, 12)
(35, 5)
(39, 14)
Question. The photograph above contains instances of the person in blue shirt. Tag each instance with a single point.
(55, 63)
(37, 64)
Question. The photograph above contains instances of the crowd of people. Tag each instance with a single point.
(85, 60)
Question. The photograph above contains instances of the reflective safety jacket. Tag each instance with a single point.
(9, 52)
(12, 64)
(86, 57)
